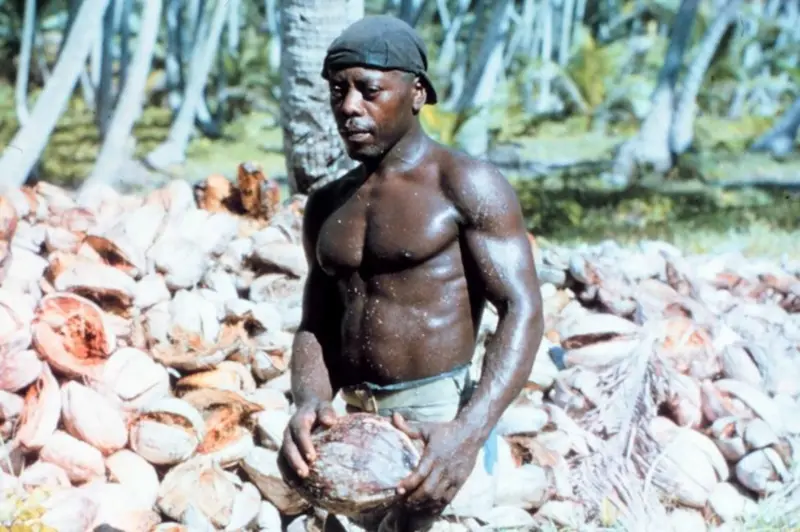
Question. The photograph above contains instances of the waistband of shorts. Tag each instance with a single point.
(370, 397)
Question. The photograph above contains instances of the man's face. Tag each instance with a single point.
(373, 108)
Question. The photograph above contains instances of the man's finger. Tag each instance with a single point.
(293, 456)
(414, 433)
(451, 493)
(327, 415)
(425, 496)
(302, 436)
(412, 481)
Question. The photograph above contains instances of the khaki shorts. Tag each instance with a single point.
(434, 399)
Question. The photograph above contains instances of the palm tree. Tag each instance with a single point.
(314, 151)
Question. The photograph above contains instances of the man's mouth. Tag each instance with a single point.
(355, 135)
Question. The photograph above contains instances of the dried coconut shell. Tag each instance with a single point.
(78, 459)
(218, 194)
(224, 413)
(133, 471)
(755, 399)
(61, 239)
(44, 474)
(18, 369)
(16, 314)
(597, 340)
(91, 417)
(246, 508)
(181, 261)
(259, 196)
(762, 471)
(72, 335)
(42, 412)
(69, 510)
(25, 272)
(8, 226)
(271, 425)
(194, 314)
(282, 257)
(685, 472)
(728, 435)
(228, 375)
(124, 244)
(261, 466)
(133, 377)
(107, 286)
(11, 407)
(727, 502)
(201, 483)
(269, 518)
(167, 431)
(150, 290)
(685, 401)
(190, 352)
(119, 508)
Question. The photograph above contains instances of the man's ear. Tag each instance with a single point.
(420, 95)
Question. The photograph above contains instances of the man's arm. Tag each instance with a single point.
(496, 241)
(310, 377)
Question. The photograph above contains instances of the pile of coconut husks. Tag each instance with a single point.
(144, 346)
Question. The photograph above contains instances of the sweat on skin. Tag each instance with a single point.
(403, 253)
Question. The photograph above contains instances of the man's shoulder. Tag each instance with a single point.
(473, 183)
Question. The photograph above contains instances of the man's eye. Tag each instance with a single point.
(371, 92)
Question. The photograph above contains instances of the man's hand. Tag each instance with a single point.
(446, 463)
(297, 448)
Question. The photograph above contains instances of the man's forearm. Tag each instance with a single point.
(310, 379)
(506, 367)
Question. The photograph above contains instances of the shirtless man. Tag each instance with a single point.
(403, 254)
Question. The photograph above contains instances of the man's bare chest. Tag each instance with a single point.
(386, 232)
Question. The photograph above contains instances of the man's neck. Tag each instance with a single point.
(406, 153)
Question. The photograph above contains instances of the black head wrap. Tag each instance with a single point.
(383, 42)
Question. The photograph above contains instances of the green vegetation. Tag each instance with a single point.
(567, 206)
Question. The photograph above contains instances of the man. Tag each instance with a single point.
(403, 254)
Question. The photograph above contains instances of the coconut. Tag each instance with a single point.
(358, 442)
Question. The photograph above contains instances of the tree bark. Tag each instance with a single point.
(682, 130)
(314, 150)
(175, 57)
(105, 96)
(23, 72)
(29, 142)
(651, 143)
(112, 153)
(173, 150)
(484, 73)
(124, 42)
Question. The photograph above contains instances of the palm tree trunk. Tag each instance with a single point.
(105, 96)
(29, 142)
(173, 150)
(314, 151)
(174, 60)
(131, 98)
(682, 131)
(21, 88)
(650, 146)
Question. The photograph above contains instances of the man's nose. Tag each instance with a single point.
(351, 104)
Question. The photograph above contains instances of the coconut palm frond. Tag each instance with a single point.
(616, 473)
(781, 509)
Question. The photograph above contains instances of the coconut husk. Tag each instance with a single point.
(145, 383)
